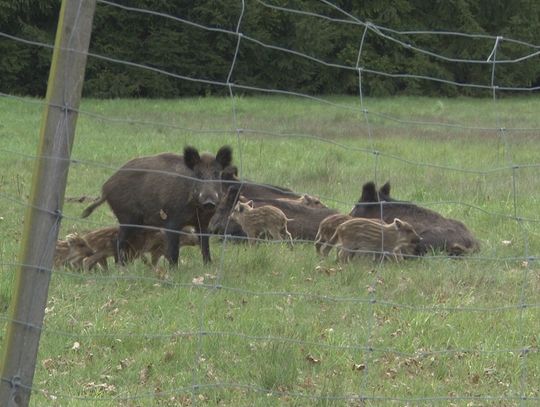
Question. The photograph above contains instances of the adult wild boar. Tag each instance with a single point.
(254, 190)
(167, 191)
(437, 232)
(304, 224)
(307, 200)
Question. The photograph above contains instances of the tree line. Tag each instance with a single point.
(189, 52)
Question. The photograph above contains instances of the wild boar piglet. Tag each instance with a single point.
(71, 251)
(104, 242)
(370, 236)
(326, 230)
(263, 219)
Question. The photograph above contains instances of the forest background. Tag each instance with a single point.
(189, 51)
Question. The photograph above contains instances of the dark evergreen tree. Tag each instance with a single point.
(199, 59)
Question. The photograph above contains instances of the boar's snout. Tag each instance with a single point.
(420, 247)
(208, 201)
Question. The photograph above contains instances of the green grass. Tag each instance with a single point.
(275, 327)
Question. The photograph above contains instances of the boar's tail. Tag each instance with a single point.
(93, 206)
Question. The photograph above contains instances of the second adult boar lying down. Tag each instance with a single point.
(264, 219)
(252, 190)
(372, 237)
(437, 231)
(255, 190)
(307, 200)
(303, 226)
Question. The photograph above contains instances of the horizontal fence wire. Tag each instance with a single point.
(279, 393)
(366, 348)
(285, 294)
(24, 204)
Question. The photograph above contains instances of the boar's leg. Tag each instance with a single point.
(204, 241)
(290, 237)
(325, 249)
(97, 258)
(172, 250)
(103, 263)
(125, 234)
(343, 255)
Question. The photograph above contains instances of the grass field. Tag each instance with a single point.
(273, 327)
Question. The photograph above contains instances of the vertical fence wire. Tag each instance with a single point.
(372, 288)
(507, 154)
(220, 270)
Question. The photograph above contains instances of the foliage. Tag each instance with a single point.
(190, 52)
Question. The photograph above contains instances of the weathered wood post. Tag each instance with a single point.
(42, 219)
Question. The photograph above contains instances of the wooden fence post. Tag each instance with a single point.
(43, 215)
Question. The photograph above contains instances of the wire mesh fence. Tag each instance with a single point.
(266, 325)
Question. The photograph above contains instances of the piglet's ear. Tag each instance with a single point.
(250, 203)
(224, 156)
(191, 157)
(230, 173)
(398, 223)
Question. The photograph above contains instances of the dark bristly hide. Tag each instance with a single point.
(437, 232)
(168, 191)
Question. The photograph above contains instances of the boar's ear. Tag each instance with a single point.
(384, 191)
(398, 223)
(230, 173)
(232, 195)
(234, 189)
(191, 157)
(224, 156)
(369, 192)
(250, 203)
